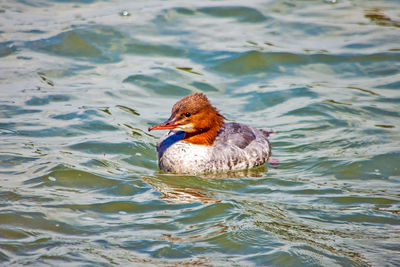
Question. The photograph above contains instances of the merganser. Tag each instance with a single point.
(200, 141)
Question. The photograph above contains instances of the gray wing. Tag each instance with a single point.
(241, 146)
(236, 134)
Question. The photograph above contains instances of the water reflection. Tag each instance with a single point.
(378, 16)
(173, 193)
(307, 234)
(177, 189)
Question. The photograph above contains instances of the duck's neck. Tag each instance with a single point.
(205, 138)
(207, 128)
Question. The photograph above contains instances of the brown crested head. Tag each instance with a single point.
(194, 115)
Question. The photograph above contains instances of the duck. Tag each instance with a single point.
(201, 141)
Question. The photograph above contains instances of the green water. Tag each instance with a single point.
(80, 82)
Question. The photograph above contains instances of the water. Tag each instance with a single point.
(80, 82)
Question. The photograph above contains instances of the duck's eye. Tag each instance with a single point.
(187, 114)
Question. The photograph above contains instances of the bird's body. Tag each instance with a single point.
(201, 142)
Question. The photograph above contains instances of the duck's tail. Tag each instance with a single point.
(267, 133)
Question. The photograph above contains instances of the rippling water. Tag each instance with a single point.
(80, 82)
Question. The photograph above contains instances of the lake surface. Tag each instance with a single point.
(81, 81)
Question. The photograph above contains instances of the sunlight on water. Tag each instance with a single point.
(81, 81)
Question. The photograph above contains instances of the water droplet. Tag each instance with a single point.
(138, 154)
(122, 212)
(51, 178)
(125, 13)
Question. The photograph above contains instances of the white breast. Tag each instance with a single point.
(183, 157)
